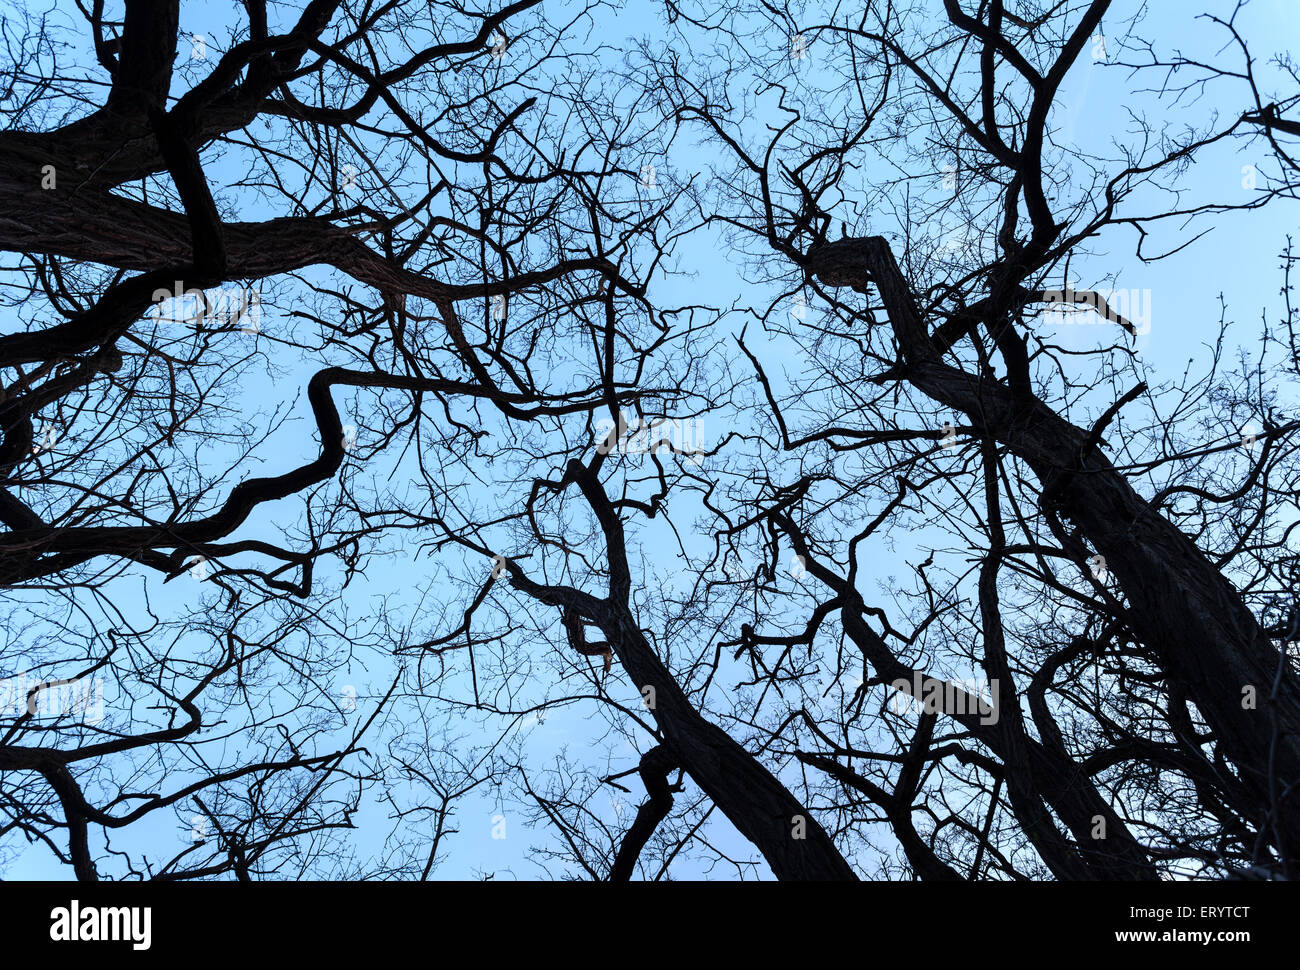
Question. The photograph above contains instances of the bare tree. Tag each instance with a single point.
(505, 246)
(362, 413)
(949, 312)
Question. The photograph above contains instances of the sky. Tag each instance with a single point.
(1237, 259)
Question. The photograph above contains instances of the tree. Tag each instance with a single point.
(464, 236)
(980, 90)
(462, 212)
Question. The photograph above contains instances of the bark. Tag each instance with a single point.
(753, 799)
(1207, 640)
(655, 766)
(1035, 772)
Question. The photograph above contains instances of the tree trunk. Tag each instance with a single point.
(762, 808)
(1206, 639)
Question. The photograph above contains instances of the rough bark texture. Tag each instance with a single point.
(1208, 641)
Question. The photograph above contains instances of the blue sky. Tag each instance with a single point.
(1236, 259)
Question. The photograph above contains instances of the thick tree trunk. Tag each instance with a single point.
(1035, 773)
(751, 797)
(755, 801)
(1207, 641)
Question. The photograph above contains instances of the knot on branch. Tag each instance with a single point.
(844, 262)
(575, 627)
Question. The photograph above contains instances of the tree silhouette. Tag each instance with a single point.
(463, 239)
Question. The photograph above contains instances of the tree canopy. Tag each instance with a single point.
(742, 442)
